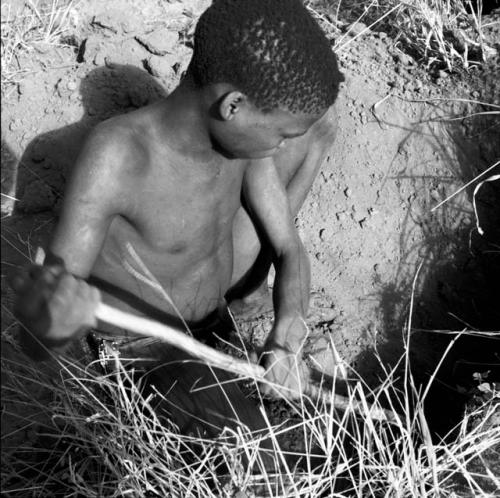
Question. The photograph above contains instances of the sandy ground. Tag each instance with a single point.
(367, 223)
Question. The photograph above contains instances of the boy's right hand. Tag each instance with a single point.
(52, 306)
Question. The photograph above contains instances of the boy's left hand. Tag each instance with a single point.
(286, 372)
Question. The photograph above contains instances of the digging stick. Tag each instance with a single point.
(170, 335)
(174, 337)
(152, 328)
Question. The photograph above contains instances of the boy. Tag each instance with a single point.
(204, 186)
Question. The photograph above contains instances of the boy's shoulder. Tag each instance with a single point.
(118, 135)
(114, 146)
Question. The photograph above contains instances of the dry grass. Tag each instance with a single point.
(26, 28)
(102, 438)
(446, 33)
(94, 435)
(439, 33)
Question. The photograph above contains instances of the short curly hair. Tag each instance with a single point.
(271, 50)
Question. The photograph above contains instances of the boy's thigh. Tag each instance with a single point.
(197, 398)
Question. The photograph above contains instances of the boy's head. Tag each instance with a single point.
(272, 53)
(271, 50)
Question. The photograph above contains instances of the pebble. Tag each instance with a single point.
(15, 125)
(71, 85)
(100, 58)
(347, 192)
(435, 195)
(358, 28)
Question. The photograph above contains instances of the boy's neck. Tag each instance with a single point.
(185, 119)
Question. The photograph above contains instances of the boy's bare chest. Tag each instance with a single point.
(176, 211)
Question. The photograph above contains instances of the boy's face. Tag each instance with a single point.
(254, 134)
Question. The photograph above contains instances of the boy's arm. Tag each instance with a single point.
(53, 302)
(269, 207)
(93, 195)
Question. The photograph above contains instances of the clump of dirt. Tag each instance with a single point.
(406, 141)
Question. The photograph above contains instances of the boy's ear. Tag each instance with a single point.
(231, 104)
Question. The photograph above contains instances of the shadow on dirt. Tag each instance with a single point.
(105, 92)
(32, 185)
(459, 281)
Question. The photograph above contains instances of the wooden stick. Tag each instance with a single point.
(152, 328)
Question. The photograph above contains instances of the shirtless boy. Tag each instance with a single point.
(202, 185)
